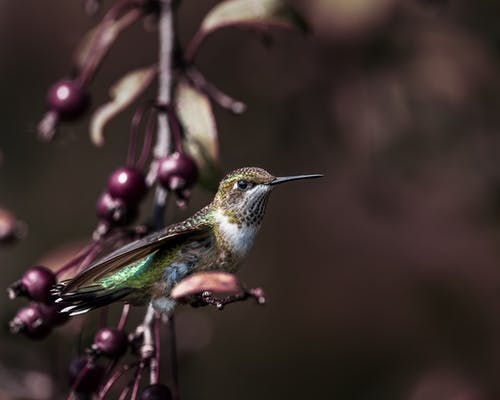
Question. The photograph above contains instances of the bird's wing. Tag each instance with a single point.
(173, 235)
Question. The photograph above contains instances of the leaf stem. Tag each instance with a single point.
(213, 92)
(108, 30)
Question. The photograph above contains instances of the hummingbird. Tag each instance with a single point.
(216, 238)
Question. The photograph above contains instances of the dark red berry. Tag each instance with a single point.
(51, 314)
(35, 284)
(111, 342)
(85, 377)
(115, 211)
(68, 99)
(10, 228)
(177, 171)
(29, 320)
(157, 391)
(128, 184)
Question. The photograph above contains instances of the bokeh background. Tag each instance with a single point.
(383, 278)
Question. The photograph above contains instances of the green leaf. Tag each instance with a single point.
(257, 13)
(200, 140)
(122, 93)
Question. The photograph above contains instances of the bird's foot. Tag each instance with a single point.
(208, 297)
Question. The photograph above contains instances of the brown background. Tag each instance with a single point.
(383, 278)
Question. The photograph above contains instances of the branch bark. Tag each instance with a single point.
(163, 145)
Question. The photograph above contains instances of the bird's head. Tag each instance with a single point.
(243, 193)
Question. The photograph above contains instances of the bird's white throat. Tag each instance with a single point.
(239, 237)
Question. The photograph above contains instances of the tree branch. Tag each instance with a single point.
(162, 148)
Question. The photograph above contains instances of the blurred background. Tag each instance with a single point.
(383, 278)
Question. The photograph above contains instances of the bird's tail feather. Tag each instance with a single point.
(88, 298)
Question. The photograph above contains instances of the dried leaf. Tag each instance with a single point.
(85, 46)
(257, 13)
(96, 42)
(122, 93)
(217, 282)
(196, 116)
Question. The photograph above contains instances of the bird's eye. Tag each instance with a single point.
(243, 184)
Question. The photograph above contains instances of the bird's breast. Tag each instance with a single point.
(238, 238)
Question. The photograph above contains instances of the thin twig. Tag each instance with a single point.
(147, 348)
(173, 358)
(155, 362)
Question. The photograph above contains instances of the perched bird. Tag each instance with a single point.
(216, 238)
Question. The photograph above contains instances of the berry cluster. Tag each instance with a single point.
(183, 155)
(37, 319)
(118, 205)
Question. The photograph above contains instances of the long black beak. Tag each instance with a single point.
(283, 179)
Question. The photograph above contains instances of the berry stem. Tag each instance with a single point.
(116, 375)
(124, 393)
(174, 125)
(155, 369)
(89, 257)
(148, 141)
(144, 108)
(137, 380)
(103, 317)
(123, 317)
(79, 379)
(73, 263)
